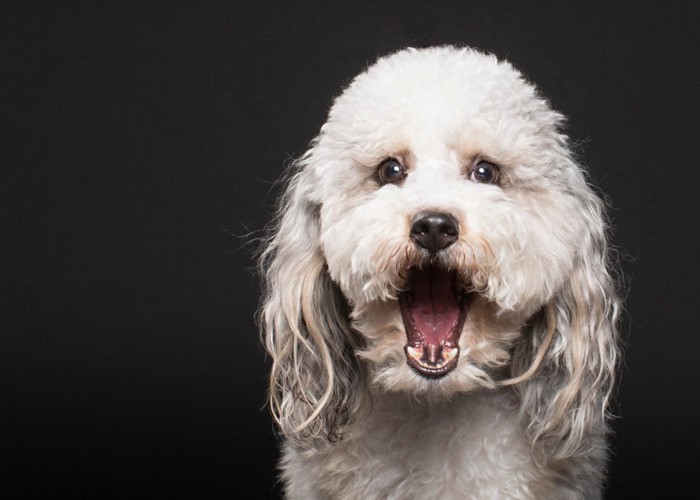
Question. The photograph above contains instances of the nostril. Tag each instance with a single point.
(434, 230)
(448, 227)
(419, 227)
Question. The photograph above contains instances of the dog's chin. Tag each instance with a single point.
(402, 378)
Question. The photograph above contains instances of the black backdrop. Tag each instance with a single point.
(140, 143)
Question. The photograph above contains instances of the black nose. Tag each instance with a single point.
(434, 230)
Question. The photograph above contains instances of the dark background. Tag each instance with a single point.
(140, 143)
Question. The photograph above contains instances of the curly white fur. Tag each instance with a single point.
(523, 415)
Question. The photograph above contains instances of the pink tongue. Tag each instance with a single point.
(434, 308)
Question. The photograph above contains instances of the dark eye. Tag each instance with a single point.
(484, 172)
(390, 171)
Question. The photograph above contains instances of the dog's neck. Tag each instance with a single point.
(406, 407)
(477, 433)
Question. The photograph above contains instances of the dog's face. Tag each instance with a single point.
(448, 214)
(440, 203)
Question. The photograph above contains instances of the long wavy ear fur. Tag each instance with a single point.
(304, 323)
(564, 405)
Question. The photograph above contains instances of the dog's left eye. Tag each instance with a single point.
(484, 172)
(390, 171)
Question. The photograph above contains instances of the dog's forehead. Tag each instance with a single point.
(439, 109)
(441, 90)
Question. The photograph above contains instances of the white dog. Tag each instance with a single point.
(438, 306)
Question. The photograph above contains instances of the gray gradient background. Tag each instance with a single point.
(139, 146)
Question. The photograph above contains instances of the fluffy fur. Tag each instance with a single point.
(523, 415)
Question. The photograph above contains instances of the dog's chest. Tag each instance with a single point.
(469, 448)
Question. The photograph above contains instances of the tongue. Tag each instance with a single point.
(434, 308)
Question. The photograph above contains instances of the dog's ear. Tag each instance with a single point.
(564, 405)
(304, 322)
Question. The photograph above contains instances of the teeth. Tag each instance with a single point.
(450, 354)
(414, 353)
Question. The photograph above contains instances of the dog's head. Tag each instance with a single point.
(438, 237)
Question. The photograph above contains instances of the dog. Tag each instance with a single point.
(439, 300)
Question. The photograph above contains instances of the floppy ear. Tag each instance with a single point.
(304, 322)
(564, 403)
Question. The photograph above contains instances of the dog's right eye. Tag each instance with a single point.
(390, 171)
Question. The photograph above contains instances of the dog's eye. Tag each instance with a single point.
(390, 171)
(484, 172)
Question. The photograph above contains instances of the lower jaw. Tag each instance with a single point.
(405, 381)
(448, 357)
(432, 372)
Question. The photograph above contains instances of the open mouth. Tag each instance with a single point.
(433, 310)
